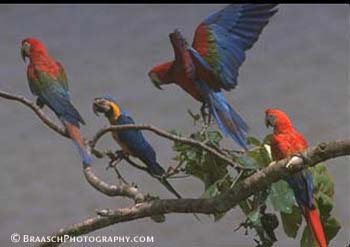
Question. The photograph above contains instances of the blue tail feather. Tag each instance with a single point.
(74, 133)
(85, 157)
(228, 120)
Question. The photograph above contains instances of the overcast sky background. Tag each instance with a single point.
(299, 64)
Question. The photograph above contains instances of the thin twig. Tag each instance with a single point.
(50, 123)
(164, 134)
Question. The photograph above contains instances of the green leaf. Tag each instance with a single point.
(253, 141)
(174, 132)
(211, 191)
(291, 222)
(214, 137)
(325, 204)
(331, 227)
(307, 240)
(322, 180)
(267, 139)
(193, 155)
(261, 156)
(253, 216)
(159, 218)
(247, 162)
(282, 197)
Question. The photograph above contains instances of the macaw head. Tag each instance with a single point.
(277, 119)
(31, 46)
(159, 74)
(109, 106)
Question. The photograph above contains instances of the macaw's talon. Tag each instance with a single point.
(206, 115)
(294, 159)
(171, 171)
(157, 176)
(39, 103)
(103, 212)
(97, 153)
(120, 154)
(115, 157)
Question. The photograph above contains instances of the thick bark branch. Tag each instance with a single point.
(222, 203)
(112, 190)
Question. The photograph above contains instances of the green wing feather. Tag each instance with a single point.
(53, 92)
(62, 77)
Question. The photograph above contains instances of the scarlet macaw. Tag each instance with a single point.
(287, 141)
(213, 61)
(48, 81)
(131, 141)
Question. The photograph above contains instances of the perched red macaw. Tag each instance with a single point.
(287, 141)
(213, 61)
(48, 81)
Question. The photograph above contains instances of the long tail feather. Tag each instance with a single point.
(229, 121)
(74, 133)
(159, 171)
(170, 187)
(155, 168)
(314, 222)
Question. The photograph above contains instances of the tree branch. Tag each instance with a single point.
(164, 134)
(113, 190)
(222, 203)
(50, 123)
(36, 110)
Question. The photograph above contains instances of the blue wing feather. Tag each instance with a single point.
(57, 98)
(138, 145)
(303, 187)
(230, 32)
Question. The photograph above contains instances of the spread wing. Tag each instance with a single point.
(221, 40)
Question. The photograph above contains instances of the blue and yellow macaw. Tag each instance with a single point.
(131, 141)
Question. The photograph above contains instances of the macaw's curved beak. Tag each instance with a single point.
(23, 54)
(99, 106)
(268, 122)
(154, 79)
(95, 109)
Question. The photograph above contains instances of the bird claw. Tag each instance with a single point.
(115, 157)
(104, 212)
(39, 103)
(206, 115)
(294, 159)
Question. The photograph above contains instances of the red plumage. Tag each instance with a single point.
(285, 142)
(48, 81)
(41, 60)
(171, 73)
